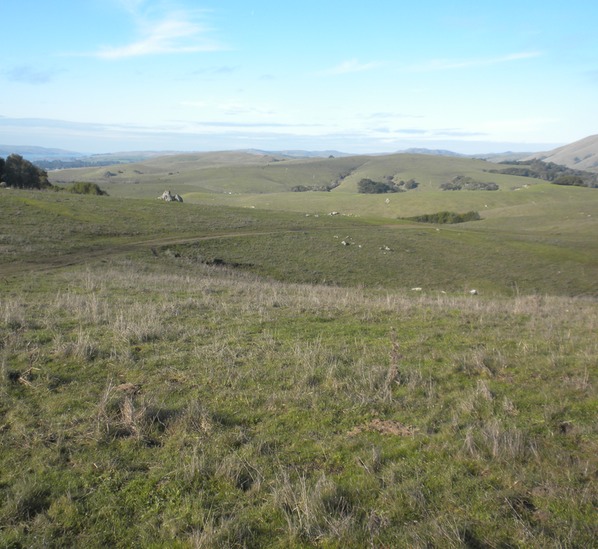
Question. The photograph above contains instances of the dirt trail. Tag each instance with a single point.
(107, 251)
(99, 252)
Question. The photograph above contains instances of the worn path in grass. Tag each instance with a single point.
(106, 252)
(100, 251)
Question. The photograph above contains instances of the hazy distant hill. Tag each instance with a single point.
(37, 153)
(580, 155)
(433, 152)
(298, 153)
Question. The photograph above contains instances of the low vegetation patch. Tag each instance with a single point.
(367, 186)
(86, 188)
(446, 217)
(466, 183)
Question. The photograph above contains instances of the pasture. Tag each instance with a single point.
(212, 374)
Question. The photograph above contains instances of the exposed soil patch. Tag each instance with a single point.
(385, 427)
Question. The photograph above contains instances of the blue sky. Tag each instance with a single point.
(470, 76)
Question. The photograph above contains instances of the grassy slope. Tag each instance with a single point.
(176, 397)
(234, 412)
(243, 173)
(289, 246)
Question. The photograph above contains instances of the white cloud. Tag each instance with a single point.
(162, 30)
(173, 35)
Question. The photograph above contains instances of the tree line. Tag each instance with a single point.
(549, 171)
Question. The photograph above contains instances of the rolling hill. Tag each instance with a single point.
(255, 174)
(580, 155)
(241, 371)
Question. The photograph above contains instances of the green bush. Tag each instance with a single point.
(463, 182)
(446, 217)
(367, 186)
(81, 187)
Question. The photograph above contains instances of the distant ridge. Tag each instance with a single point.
(434, 152)
(579, 155)
(38, 153)
(298, 153)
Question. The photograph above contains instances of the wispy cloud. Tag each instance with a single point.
(173, 35)
(29, 75)
(162, 30)
(455, 64)
(351, 66)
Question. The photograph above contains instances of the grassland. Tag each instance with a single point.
(207, 375)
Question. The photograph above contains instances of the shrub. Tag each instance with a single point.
(81, 187)
(463, 182)
(572, 180)
(446, 217)
(367, 186)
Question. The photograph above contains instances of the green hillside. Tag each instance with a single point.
(544, 243)
(199, 375)
(230, 172)
(246, 370)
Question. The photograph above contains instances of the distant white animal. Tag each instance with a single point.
(418, 289)
(473, 292)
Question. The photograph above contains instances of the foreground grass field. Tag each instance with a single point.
(154, 405)
(196, 376)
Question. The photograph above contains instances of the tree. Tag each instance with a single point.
(367, 186)
(22, 174)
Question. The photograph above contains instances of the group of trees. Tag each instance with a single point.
(18, 173)
(549, 171)
(367, 186)
(466, 183)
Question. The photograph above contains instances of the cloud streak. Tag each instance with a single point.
(162, 31)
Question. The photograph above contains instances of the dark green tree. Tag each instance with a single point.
(22, 174)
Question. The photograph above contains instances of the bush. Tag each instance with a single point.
(446, 217)
(81, 187)
(367, 186)
(463, 182)
(572, 180)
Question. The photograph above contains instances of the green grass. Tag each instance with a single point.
(238, 173)
(236, 412)
(520, 255)
(202, 375)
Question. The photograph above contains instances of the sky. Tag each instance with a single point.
(359, 77)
